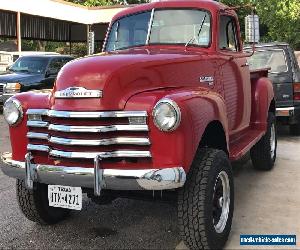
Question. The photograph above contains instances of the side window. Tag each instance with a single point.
(294, 60)
(66, 60)
(228, 39)
(56, 65)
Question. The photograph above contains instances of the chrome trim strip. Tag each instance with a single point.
(149, 27)
(115, 179)
(33, 135)
(92, 155)
(37, 124)
(286, 108)
(88, 155)
(73, 114)
(37, 112)
(33, 147)
(102, 142)
(97, 129)
(290, 110)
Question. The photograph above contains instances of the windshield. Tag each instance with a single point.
(30, 65)
(171, 26)
(274, 59)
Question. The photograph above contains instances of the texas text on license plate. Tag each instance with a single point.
(65, 197)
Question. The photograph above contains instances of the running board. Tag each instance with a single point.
(241, 145)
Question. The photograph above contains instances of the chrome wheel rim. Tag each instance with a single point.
(221, 202)
(273, 141)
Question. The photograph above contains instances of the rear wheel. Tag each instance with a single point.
(263, 153)
(206, 202)
(34, 204)
(295, 129)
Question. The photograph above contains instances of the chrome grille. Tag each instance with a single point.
(105, 134)
(1, 88)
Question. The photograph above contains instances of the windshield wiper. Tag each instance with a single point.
(198, 33)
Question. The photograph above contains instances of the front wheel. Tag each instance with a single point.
(34, 204)
(206, 202)
(263, 153)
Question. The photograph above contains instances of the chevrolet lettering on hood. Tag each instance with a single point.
(78, 92)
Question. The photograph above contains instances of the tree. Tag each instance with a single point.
(282, 17)
(279, 19)
(106, 2)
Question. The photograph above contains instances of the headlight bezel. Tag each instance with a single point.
(171, 103)
(19, 108)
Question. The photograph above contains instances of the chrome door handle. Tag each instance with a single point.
(245, 65)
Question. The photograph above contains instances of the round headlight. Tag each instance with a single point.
(12, 111)
(167, 115)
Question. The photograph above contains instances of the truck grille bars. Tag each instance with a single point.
(52, 131)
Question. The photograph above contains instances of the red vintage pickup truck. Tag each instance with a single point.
(159, 114)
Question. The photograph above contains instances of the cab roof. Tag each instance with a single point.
(211, 5)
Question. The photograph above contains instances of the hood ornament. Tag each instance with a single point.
(78, 92)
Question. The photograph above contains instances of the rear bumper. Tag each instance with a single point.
(96, 178)
(290, 115)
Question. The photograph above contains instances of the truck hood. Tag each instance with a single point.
(121, 75)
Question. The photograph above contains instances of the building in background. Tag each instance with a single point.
(54, 20)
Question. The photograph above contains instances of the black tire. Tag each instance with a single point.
(295, 129)
(196, 201)
(262, 155)
(34, 204)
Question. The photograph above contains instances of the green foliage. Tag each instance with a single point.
(282, 17)
(91, 3)
(279, 19)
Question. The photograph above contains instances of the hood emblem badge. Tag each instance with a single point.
(78, 92)
(207, 79)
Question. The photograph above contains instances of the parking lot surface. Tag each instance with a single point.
(265, 203)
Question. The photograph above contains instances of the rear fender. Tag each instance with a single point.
(198, 109)
(262, 97)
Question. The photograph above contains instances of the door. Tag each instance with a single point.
(235, 75)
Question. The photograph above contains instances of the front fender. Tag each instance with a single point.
(18, 133)
(198, 108)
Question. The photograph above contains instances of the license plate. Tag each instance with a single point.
(65, 197)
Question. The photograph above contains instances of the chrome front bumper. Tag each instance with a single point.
(96, 178)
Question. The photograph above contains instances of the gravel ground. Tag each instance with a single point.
(266, 203)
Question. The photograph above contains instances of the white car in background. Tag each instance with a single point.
(8, 58)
